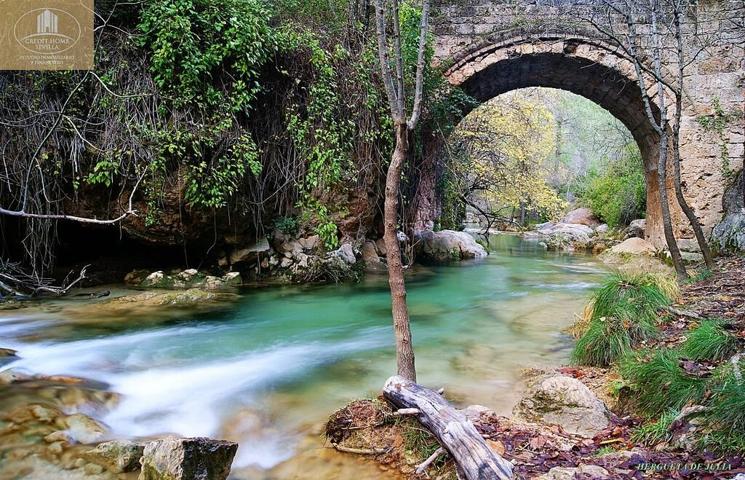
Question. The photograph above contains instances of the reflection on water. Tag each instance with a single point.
(267, 370)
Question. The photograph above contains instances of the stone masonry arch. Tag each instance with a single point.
(487, 48)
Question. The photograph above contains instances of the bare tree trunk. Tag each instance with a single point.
(402, 331)
(667, 223)
(672, 243)
(689, 213)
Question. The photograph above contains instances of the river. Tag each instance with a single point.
(267, 369)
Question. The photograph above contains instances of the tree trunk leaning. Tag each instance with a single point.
(473, 457)
(402, 331)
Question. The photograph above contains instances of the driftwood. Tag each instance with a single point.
(473, 457)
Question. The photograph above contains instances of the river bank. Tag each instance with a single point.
(582, 422)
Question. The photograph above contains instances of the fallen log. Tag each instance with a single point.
(473, 457)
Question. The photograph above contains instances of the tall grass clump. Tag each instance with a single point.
(659, 383)
(624, 313)
(710, 341)
(727, 412)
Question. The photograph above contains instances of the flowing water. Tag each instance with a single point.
(267, 369)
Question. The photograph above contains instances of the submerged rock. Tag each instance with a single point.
(187, 459)
(565, 401)
(448, 245)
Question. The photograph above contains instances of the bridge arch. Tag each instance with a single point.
(580, 65)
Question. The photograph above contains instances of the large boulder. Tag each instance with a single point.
(187, 459)
(562, 236)
(564, 401)
(581, 216)
(636, 228)
(448, 245)
(633, 246)
(729, 235)
(370, 257)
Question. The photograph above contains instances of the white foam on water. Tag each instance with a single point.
(189, 396)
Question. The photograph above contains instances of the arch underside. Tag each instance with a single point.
(594, 81)
(602, 84)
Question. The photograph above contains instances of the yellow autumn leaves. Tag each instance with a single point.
(499, 154)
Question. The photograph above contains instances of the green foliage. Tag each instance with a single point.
(196, 42)
(659, 383)
(206, 58)
(710, 341)
(656, 431)
(624, 313)
(287, 225)
(617, 192)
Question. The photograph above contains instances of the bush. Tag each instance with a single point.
(618, 194)
(710, 341)
(660, 383)
(624, 313)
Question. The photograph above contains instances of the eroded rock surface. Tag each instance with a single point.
(564, 401)
(187, 459)
(448, 245)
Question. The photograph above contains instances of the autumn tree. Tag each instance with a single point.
(499, 160)
(392, 68)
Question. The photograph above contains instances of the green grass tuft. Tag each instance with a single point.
(624, 313)
(727, 412)
(659, 383)
(655, 432)
(710, 341)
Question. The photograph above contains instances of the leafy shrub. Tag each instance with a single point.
(287, 225)
(660, 383)
(617, 194)
(624, 312)
(710, 341)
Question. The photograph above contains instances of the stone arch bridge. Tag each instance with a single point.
(491, 47)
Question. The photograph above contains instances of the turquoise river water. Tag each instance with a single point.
(267, 369)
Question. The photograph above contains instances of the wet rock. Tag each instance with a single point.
(562, 236)
(83, 429)
(187, 459)
(232, 279)
(346, 253)
(571, 473)
(635, 229)
(448, 245)
(581, 216)
(7, 355)
(729, 235)
(157, 280)
(250, 253)
(564, 401)
(136, 277)
(117, 455)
